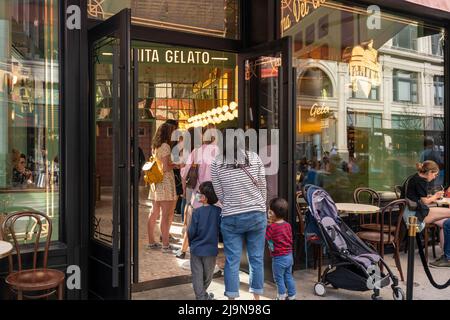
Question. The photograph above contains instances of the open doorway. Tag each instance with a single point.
(136, 86)
(176, 83)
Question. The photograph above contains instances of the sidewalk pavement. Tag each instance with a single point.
(306, 279)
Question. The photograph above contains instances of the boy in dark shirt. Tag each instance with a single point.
(279, 237)
(203, 237)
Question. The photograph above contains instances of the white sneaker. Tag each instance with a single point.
(168, 249)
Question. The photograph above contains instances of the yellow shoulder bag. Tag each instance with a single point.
(152, 173)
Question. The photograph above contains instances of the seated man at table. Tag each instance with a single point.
(444, 260)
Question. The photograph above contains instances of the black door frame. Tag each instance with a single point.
(286, 112)
(161, 36)
(286, 124)
(112, 265)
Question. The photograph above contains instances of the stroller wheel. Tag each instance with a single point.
(398, 293)
(319, 289)
(376, 297)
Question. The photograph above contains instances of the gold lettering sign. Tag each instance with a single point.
(292, 11)
(319, 110)
(174, 56)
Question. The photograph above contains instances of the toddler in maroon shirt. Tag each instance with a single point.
(279, 238)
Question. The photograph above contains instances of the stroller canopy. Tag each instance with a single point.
(320, 203)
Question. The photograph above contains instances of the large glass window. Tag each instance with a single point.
(407, 38)
(315, 82)
(365, 109)
(29, 108)
(438, 82)
(219, 18)
(437, 47)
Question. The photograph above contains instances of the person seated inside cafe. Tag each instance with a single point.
(22, 176)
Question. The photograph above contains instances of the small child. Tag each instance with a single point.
(279, 238)
(203, 237)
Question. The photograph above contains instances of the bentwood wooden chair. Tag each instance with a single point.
(365, 195)
(398, 191)
(34, 283)
(381, 238)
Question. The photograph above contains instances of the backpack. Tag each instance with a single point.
(192, 175)
(152, 173)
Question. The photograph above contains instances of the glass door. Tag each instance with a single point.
(266, 96)
(110, 158)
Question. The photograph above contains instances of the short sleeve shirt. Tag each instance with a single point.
(417, 188)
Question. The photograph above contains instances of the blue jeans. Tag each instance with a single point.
(183, 206)
(251, 228)
(447, 239)
(282, 274)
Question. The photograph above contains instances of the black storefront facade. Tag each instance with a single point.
(107, 272)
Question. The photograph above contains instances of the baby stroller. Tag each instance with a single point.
(353, 264)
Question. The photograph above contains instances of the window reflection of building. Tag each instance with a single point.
(406, 38)
(405, 86)
(438, 83)
(29, 106)
(378, 127)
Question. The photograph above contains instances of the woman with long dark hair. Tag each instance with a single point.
(238, 177)
(163, 195)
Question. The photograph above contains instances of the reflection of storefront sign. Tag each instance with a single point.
(175, 56)
(364, 68)
(314, 119)
(319, 110)
(95, 8)
(292, 11)
(268, 65)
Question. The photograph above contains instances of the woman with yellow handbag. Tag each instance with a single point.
(162, 194)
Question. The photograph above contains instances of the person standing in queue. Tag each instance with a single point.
(163, 195)
(204, 239)
(178, 183)
(279, 239)
(238, 177)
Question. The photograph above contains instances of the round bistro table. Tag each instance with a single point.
(356, 208)
(5, 249)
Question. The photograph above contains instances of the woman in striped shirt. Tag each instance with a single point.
(240, 184)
